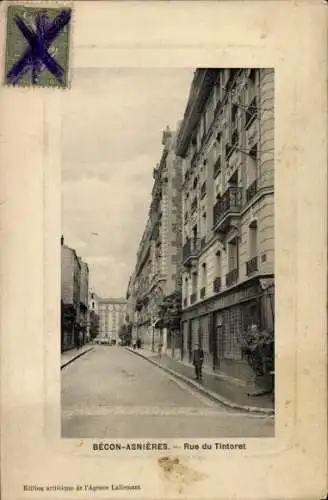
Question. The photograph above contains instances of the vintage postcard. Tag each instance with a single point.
(163, 264)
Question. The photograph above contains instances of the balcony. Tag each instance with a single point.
(202, 292)
(203, 190)
(232, 277)
(228, 150)
(226, 211)
(194, 205)
(193, 298)
(187, 176)
(251, 113)
(217, 167)
(251, 266)
(217, 285)
(190, 251)
(251, 191)
(235, 138)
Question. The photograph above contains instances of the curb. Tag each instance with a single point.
(76, 357)
(212, 395)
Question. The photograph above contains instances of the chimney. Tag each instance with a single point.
(62, 240)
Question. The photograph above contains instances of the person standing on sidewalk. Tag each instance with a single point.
(198, 359)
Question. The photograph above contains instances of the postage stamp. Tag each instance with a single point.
(37, 46)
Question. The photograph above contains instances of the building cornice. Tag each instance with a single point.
(201, 88)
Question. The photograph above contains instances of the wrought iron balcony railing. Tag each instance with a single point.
(232, 277)
(194, 205)
(251, 266)
(251, 113)
(228, 203)
(235, 138)
(190, 249)
(228, 150)
(187, 175)
(203, 190)
(217, 167)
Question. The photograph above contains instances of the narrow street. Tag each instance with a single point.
(111, 392)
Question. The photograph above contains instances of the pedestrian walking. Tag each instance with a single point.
(198, 359)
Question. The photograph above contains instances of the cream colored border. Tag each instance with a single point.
(292, 39)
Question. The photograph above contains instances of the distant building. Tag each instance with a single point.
(112, 312)
(74, 298)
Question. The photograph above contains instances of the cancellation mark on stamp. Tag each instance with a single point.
(37, 46)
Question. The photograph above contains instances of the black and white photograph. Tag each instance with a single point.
(167, 254)
(163, 267)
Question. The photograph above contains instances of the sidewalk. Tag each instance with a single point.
(68, 356)
(220, 389)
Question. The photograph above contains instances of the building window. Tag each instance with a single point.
(251, 85)
(194, 282)
(253, 243)
(218, 264)
(194, 233)
(204, 228)
(204, 275)
(233, 254)
(252, 264)
(234, 110)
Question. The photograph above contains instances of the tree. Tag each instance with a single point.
(125, 333)
(94, 325)
(170, 311)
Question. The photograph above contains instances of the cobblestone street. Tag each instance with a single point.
(111, 392)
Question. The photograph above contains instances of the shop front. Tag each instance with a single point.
(219, 324)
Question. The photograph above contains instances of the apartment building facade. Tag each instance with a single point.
(226, 142)
(111, 312)
(70, 297)
(157, 272)
(84, 300)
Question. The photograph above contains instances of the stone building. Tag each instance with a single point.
(70, 297)
(111, 312)
(84, 300)
(226, 142)
(157, 272)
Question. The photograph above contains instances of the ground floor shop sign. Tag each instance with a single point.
(230, 298)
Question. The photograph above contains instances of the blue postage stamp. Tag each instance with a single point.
(37, 46)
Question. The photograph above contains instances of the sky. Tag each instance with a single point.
(112, 131)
